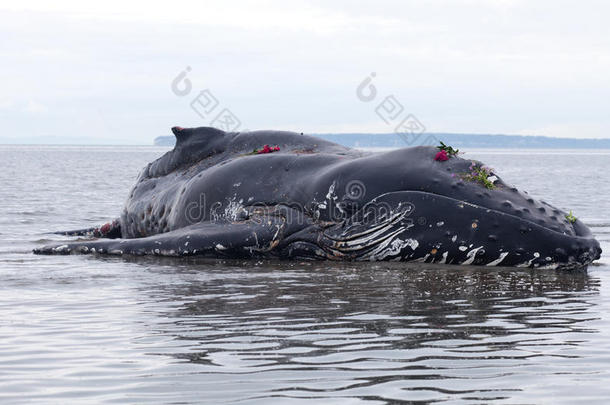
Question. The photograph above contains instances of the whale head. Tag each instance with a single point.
(457, 211)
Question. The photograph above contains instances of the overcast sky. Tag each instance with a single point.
(103, 72)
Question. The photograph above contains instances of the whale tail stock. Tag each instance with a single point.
(110, 230)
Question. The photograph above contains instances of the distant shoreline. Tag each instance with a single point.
(389, 141)
(479, 141)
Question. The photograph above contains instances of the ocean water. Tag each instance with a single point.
(132, 330)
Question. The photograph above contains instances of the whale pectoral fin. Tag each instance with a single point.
(370, 232)
(254, 237)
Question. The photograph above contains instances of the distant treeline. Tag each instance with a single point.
(455, 140)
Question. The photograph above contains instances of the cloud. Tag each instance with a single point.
(35, 107)
(6, 104)
(461, 66)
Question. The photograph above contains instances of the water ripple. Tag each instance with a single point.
(120, 330)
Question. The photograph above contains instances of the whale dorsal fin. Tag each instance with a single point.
(184, 134)
(181, 134)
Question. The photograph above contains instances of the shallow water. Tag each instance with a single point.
(115, 330)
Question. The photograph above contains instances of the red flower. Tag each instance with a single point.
(441, 156)
(265, 149)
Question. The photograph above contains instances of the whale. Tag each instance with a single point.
(286, 195)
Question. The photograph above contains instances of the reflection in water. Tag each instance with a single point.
(383, 332)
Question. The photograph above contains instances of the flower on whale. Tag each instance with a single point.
(571, 218)
(441, 156)
(445, 152)
(481, 174)
(264, 149)
(268, 149)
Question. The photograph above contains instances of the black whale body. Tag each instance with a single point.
(314, 199)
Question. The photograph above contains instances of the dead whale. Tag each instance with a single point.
(277, 194)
